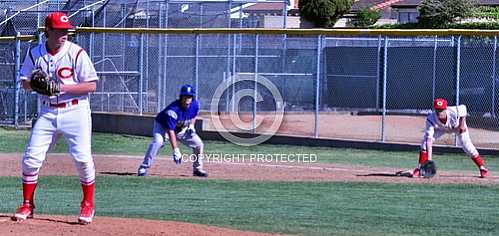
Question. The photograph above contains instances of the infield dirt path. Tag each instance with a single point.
(62, 164)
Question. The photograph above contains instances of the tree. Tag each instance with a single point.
(367, 17)
(324, 13)
(439, 13)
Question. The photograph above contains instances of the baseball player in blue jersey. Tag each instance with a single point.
(176, 123)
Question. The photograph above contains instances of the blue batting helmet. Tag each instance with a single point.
(187, 90)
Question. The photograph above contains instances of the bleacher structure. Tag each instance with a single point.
(111, 53)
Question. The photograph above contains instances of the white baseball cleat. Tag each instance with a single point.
(24, 212)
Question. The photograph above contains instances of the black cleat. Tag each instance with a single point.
(200, 173)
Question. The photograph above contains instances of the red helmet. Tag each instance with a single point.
(440, 104)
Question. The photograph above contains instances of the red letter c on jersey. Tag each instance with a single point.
(65, 72)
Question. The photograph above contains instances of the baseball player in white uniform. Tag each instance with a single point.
(66, 114)
(444, 120)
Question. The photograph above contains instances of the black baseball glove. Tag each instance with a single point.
(428, 169)
(42, 84)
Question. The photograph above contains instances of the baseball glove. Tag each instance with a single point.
(42, 84)
(428, 169)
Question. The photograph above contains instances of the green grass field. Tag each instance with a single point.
(282, 207)
(304, 208)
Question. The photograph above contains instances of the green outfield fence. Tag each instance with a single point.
(374, 85)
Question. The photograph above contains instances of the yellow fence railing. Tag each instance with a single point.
(304, 32)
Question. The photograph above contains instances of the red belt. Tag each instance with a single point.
(65, 104)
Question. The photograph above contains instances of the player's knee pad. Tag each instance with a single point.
(86, 171)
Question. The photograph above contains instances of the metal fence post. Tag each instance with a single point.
(147, 39)
(284, 16)
(234, 61)
(103, 64)
(257, 36)
(240, 16)
(228, 10)
(38, 16)
(385, 69)
(458, 68)
(17, 80)
(196, 67)
(434, 73)
(317, 87)
(141, 71)
(165, 63)
(160, 52)
(378, 56)
(458, 76)
(494, 78)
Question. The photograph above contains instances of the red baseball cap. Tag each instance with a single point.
(58, 20)
(440, 104)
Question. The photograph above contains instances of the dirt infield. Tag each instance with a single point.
(49, 225)
(62, 164)
(398, 128)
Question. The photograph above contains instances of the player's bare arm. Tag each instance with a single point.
(81, 88)
(173, 138)
(193, 122)
(462, 124)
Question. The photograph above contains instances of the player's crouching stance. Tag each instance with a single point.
(448, 120)
(69, 76)
(177, 122)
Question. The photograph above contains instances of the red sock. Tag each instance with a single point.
(29, 192)
(423, 157)
(478, 161)
(88, 193)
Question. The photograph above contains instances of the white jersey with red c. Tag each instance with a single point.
(436, 128)
(65, 114)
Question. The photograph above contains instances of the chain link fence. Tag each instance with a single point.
(375, 88)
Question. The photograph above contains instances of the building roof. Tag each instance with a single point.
(361, 4)
(271, 6)
(383, 5)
